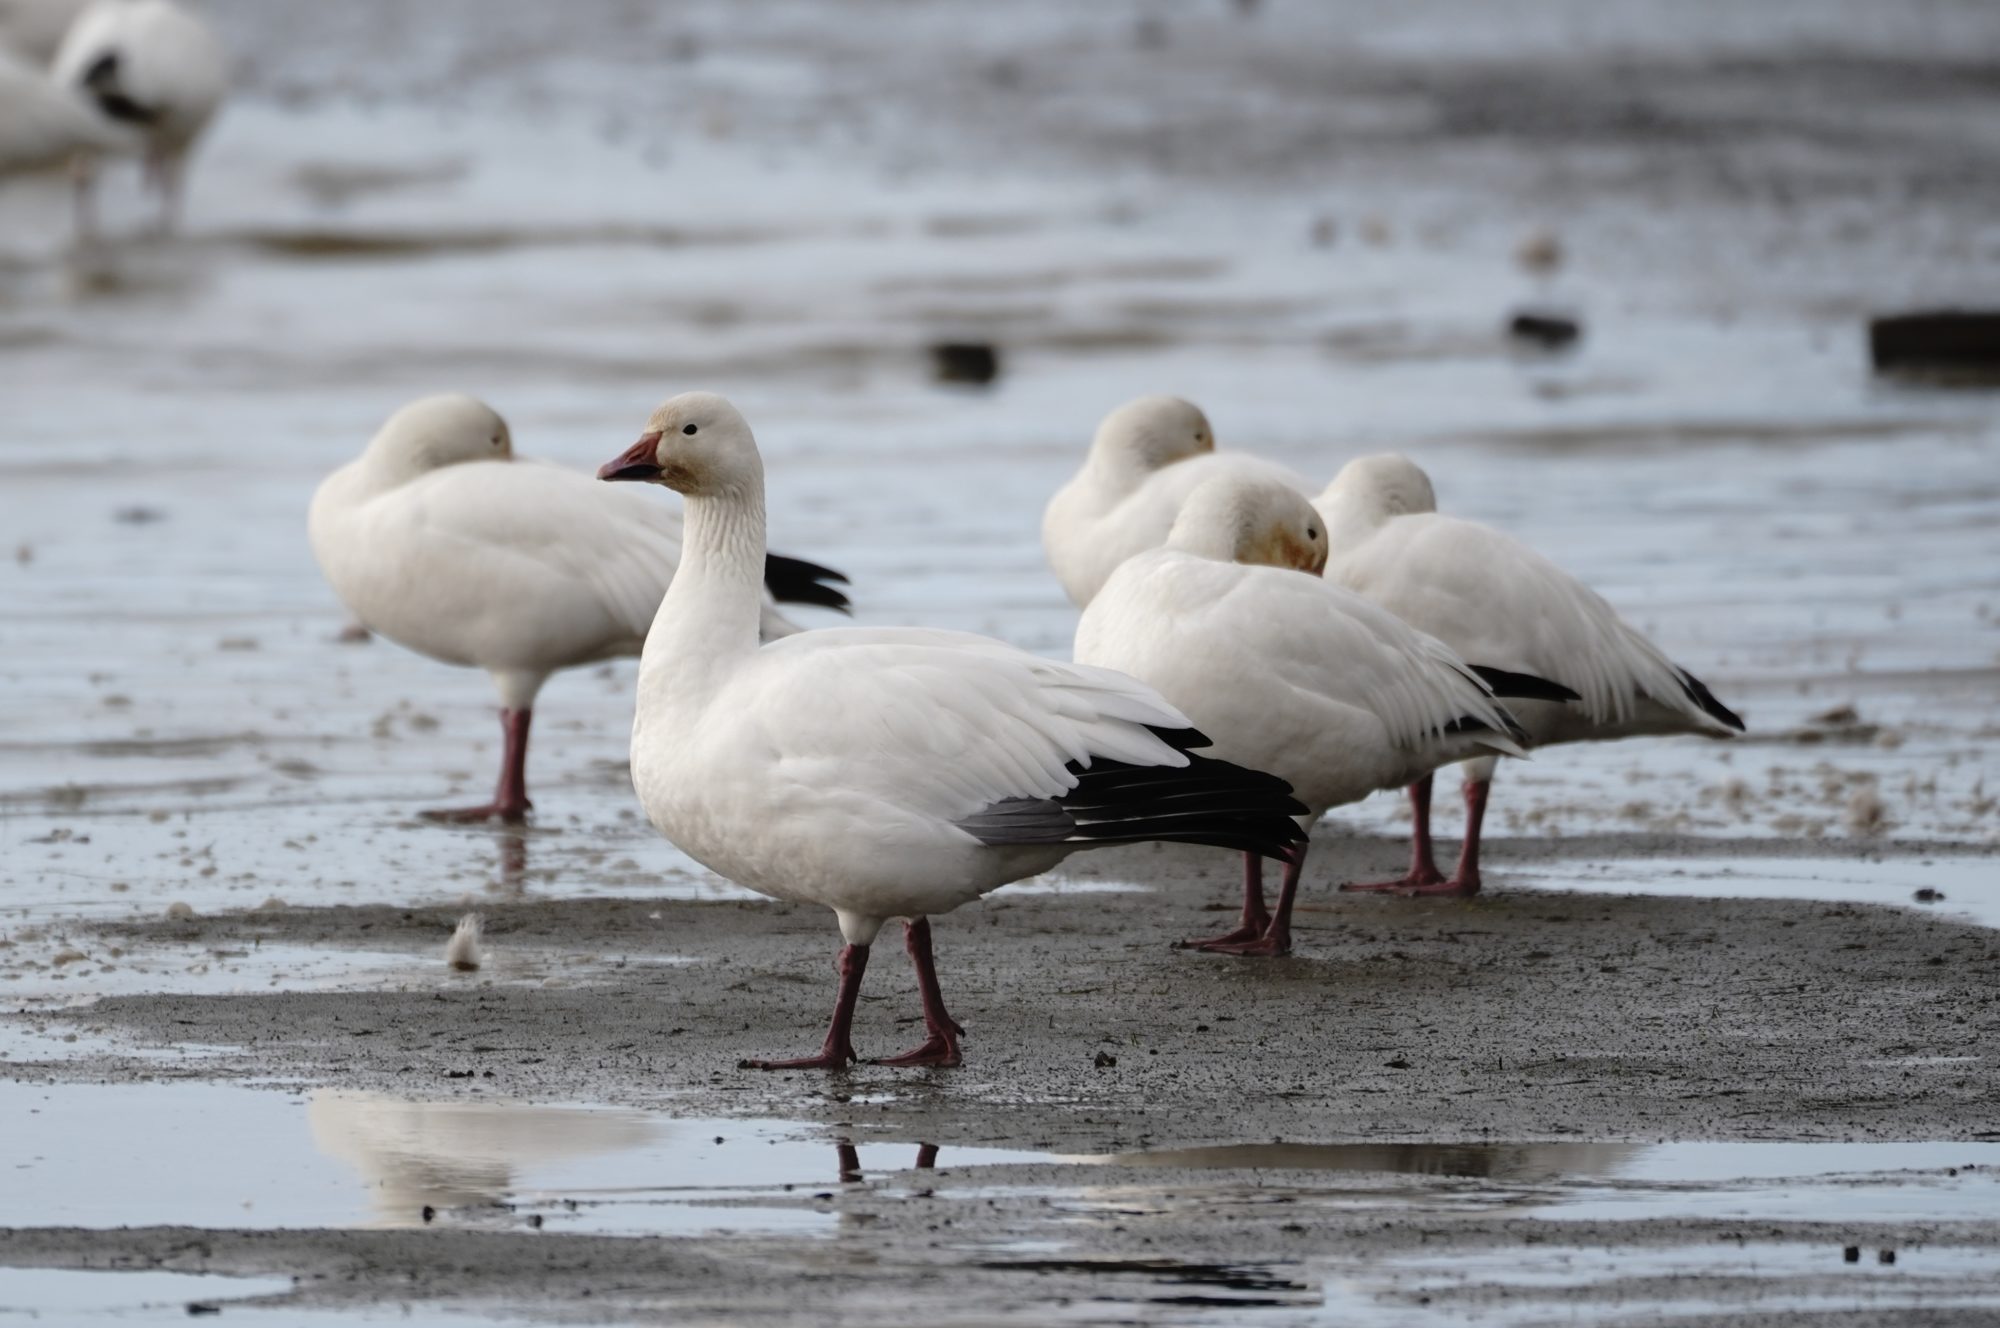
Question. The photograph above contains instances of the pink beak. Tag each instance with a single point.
(638, 463)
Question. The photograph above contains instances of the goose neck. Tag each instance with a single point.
(714, 605)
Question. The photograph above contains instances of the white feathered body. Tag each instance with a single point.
(518, 567)
(43, 123)
(853, 752)
(1107, 513)
(1499, 603)
(1290, 674)
(169, 62)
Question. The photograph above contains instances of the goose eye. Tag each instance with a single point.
(496, 440)
(1311, 534)
(687, 428)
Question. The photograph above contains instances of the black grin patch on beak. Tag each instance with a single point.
(629, 470)
(640, 462)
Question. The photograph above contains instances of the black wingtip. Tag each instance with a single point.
(1210, 802)
(1698, 692)
(1207, 802)
(796, 581)
(1522, 686)
(101, 80)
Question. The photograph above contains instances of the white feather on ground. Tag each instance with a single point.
(463, 950)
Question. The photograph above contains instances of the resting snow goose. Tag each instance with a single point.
(887, 772)
(1291, 673)
(1494, 599)
(155, 67)
(440, 539)
(1146, 458)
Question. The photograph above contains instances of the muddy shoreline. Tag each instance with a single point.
(1517, 1015)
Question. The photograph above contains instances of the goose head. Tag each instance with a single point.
(1381, 486)
(1257, 521)
(696, 443)
(1150, 433)
(445, 430)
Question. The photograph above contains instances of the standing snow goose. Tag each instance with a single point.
(888, 772)
(151, 65)
(1146, 458)
(1293, 674)
(1492, 598)
(441, 540)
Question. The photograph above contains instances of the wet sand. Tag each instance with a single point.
(1515, 1016)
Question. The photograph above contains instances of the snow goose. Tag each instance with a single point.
(156, 67)
(1146, 458)
(1291, 673)
(1494, 599)
(887, 772)
(441, 540)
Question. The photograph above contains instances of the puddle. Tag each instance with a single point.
(245, 1157)
(75, 1296)
(65, 1295)
(52, 971)
(1886, 1182)
(254, 1158)
(1564, 1283)
(1966, 883)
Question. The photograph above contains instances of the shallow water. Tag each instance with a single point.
(255, 1158)
(65, 1296)
(247, 1157)
(1956, 887)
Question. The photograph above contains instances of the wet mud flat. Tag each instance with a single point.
(1517, 1014)
(1139, 1131)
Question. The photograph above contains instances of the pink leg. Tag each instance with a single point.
(163, 173)
(1466, 880)
(1255, 918)
(838, 1050)
(1277, 936)
(1423, 871)
(83, 182)
(941, 1047)
(510, 800)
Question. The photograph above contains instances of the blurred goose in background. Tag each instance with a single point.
(1291, 673)
(155, 67)
(441, 540)
(1494, 599)
(1146, 458)
(887, 772)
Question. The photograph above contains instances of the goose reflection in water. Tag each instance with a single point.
(460, 1155)
(1522, 1174)
(1535, 1163)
